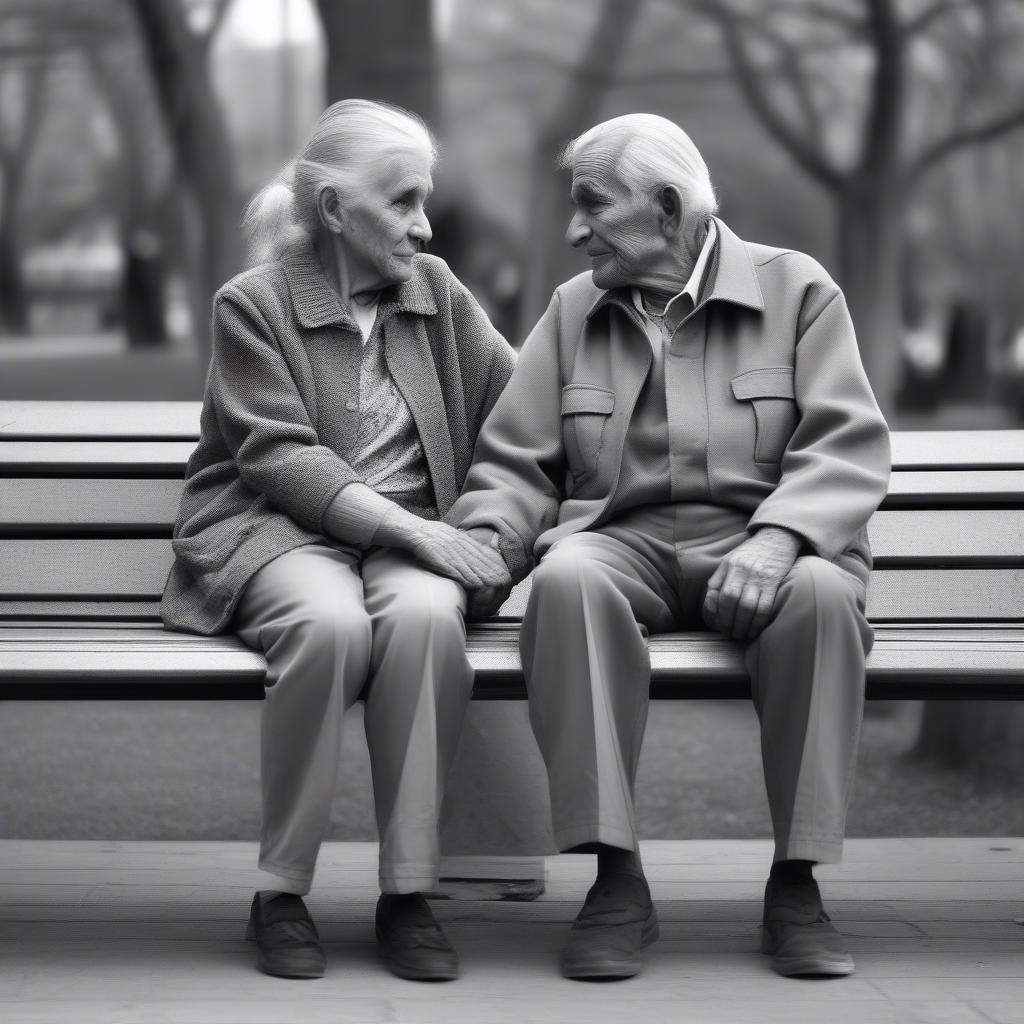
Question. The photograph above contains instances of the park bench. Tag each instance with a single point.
(90, 491)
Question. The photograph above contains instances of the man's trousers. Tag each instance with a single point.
(595, 597)
(334, 627)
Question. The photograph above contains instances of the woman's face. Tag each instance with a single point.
(384, 224)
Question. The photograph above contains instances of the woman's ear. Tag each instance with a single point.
(328, 207)
(670, 210)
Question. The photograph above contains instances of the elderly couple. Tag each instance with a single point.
(687, 435)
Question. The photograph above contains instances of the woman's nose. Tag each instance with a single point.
(420, 230)
(577, 233)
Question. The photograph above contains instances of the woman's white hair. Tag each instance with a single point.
(346, 141)
(651, 152)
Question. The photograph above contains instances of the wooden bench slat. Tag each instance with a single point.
(112, 504)
(958, 449)
(918, 449)
(941, 662)
(33, 505)
(942, 488)
(79, 609)
(177, 421)
(95, 458)
(946, 594)
(905, 595)
(948, 537)
(83, 568)
(129, 567)
(104, 569)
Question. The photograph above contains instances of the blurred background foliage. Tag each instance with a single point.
(881, 136)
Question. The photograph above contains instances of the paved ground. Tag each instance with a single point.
(175, 770)
(111, 933)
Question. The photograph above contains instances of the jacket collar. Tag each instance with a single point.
(317, 304)
(729, 277)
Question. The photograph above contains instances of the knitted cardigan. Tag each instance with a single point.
(273, 437)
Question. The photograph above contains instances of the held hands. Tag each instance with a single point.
(453, 553)
(741, 593)
(487, 600)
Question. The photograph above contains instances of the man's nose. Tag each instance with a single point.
(420, 230)
(577, 233)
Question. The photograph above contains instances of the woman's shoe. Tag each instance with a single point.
(285, 936)
(411, 942)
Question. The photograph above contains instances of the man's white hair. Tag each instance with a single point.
(651, 152)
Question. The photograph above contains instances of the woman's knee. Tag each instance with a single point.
(323, 628)
(430, 605)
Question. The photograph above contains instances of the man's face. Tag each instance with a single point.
(619, 230)
(385, 223)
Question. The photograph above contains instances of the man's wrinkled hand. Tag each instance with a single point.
(741, 593)
(450, 552)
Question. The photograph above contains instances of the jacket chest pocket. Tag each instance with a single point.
(770, 392)
(585, 412)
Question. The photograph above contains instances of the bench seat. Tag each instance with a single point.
(89, 492)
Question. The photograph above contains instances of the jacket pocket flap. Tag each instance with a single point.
(587, 398)
(769, 382)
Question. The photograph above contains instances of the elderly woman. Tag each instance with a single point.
(350, 376)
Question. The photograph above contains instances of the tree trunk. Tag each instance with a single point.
(580, 106)
(382, 51)
(870, 231)
(199, 134)
(13, 301)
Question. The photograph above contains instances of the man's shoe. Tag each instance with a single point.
(617, 920)
(798, 934)
(411, 942)
(285, 936)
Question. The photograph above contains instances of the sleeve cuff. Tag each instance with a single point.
(355, 514)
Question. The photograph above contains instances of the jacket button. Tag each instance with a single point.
(351, 406)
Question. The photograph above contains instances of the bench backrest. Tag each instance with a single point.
(89, 493)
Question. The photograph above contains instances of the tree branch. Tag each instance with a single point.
(822, 11)
(973, 135)
(923, 21)
(750, 81)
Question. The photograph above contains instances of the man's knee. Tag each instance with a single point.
(565, 572)
(814, 584)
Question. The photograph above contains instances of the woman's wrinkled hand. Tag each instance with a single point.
(453, 553)
(741, 593)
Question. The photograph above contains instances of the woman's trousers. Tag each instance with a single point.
(336, 626)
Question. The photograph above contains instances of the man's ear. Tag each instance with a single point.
(328, 207)
(670, 210)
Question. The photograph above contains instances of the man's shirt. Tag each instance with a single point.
(664, 457)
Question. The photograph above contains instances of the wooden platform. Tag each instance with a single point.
(122, 933)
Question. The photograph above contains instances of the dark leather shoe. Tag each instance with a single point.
(285, 936)
(411, 942)
(798, 934)
(617, 920)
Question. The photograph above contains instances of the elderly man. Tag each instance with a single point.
(689, 432)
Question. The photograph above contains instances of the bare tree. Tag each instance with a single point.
(927, 79)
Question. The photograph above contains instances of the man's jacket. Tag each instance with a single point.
(796, 438)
